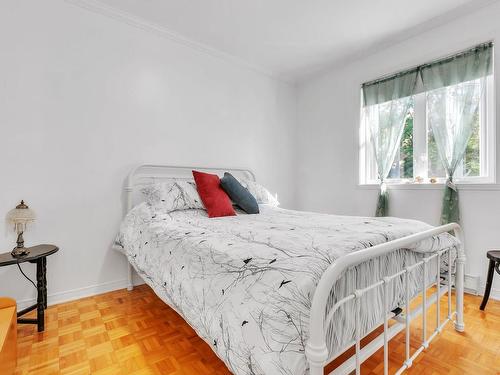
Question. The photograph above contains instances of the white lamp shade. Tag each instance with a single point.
(23, 215)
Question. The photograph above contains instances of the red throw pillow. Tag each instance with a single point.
(215, 200)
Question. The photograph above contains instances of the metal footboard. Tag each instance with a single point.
(316, 349)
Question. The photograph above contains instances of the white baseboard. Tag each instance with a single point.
(93, 290)
(73, 294)
(471, 284)
(494, 293)
(474, 286)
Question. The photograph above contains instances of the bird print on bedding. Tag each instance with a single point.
(245, 283)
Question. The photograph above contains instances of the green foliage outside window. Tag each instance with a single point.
(403, 162)
(406, 149)
(471, 163)
(472, 157)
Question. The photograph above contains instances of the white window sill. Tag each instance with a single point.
(435, 186)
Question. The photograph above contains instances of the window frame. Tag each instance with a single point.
(367, 164)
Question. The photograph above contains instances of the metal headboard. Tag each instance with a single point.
(147, 174)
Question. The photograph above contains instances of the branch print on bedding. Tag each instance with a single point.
(245, 283)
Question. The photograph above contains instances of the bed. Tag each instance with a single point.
(285, 292)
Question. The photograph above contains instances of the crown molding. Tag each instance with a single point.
(98, 7)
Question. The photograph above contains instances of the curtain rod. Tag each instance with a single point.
(450, 56)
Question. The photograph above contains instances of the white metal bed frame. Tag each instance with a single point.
(316, 351)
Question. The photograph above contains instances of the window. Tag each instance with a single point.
(418, 160)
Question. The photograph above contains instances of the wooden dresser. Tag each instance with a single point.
(8, 336)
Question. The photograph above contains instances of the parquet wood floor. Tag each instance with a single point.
(134, 332)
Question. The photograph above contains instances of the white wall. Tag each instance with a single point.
(84, 98)
(328, 121)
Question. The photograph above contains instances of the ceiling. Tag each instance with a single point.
(292, 38)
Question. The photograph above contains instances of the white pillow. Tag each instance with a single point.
(173, 196)
(260, 193)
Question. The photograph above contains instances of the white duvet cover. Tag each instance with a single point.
(245, 283)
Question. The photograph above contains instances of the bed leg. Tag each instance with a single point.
(459, 289)
(316, 355)
(315, 370)
(130, 285)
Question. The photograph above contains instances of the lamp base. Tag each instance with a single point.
(18, 252)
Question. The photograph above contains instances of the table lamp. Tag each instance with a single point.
(20, 217)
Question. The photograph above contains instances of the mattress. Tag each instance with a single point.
(245, 283)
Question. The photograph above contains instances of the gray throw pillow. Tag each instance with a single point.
(239, 194)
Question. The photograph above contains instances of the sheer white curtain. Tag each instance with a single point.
(454, 88)
(386, 104)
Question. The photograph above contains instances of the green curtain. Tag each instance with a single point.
(398, 86)
(454, 88)
(386, 105)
